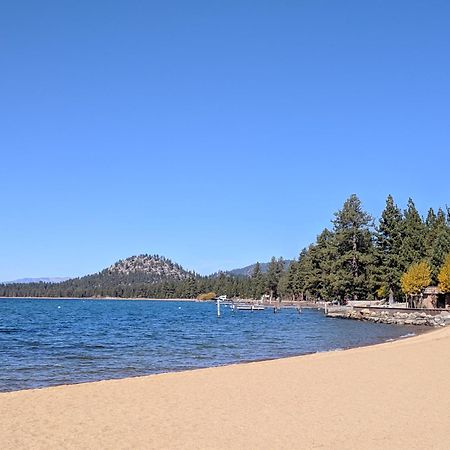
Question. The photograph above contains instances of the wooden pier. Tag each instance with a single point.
(257, 305)
(248, 307)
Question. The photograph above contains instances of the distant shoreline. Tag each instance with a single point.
(108, 298)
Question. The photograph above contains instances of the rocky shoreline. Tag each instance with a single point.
(400, 316)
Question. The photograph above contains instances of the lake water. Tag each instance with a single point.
(51, 342)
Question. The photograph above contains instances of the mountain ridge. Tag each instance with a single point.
(248, 270)
(38, 280)
(146, 267)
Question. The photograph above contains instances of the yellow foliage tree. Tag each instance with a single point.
(416, 278)
(382, 292)
(207, 296)
(444, 276)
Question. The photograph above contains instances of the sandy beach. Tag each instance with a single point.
(389, 396)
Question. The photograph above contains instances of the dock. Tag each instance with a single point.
(248, 307)
(258, 305)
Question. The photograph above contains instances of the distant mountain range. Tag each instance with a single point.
(38, 280)
(248, 270)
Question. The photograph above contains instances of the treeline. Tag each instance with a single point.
(356, 259)
(137, 285)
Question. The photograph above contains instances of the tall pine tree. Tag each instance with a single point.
(437, 243)
(274, 272)
(413, 237)
(257, 282)
(388, 238)
(354, 251)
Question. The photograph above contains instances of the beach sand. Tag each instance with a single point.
(390, 396)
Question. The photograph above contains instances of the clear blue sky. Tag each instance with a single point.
(215, 133)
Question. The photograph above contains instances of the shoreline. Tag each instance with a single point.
(237, 363)
(106, 298)
(334, 399)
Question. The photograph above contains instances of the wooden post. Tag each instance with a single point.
(218, 308)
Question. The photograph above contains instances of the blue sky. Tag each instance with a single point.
(214, 133)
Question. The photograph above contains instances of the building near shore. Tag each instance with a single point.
(433, 297)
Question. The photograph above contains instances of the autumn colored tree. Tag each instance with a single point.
(444, 276)
(416, 278)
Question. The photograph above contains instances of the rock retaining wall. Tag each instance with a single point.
(393, 316)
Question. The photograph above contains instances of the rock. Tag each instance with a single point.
(420, 322)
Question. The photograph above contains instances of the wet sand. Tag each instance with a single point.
(387, 396)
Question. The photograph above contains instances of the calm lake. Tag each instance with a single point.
(50, 342)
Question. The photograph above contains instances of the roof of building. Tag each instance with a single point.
(432, 290)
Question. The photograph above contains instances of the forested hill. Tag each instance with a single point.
(126, 277)
(148, 268)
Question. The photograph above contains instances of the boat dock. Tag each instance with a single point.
(247, 307)
(257, 305)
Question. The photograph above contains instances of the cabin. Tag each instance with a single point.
(432, 297)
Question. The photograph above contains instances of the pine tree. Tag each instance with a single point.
(257, 282)
(322, 259)
(301, 273)
(276, 268)
(289, 285)
(388, 238)
(438, 242)
(311, 273)
(413, 235)
(354, 250)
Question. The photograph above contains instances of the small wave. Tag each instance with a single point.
(339, 349)
(94, 346)
(407, 335)
(83, 357)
